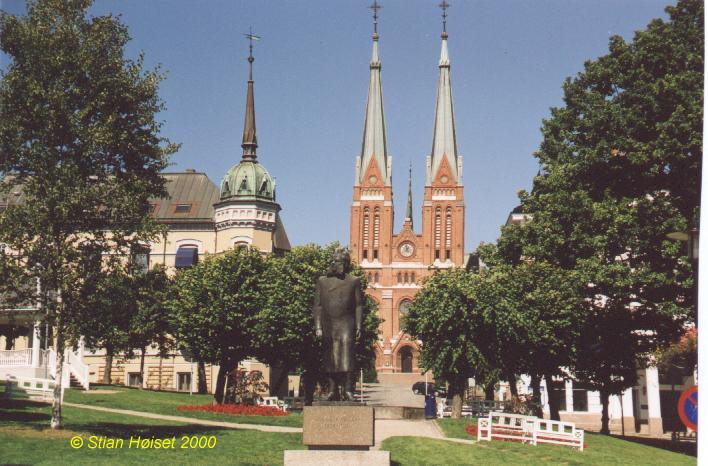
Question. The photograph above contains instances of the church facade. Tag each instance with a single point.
(395, 262)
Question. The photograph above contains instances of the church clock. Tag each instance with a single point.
(406, 249)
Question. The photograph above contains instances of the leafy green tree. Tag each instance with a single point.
(215, 307)
(149, 323)
(536, 311)
(103, 316)
(79, 140)
(284, 329)
(620, 164)
(447, 317)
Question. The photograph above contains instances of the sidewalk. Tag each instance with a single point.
(384, 428)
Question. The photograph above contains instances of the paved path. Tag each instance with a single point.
(188, 420)
(385, 428)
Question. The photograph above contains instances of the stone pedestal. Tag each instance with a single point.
(338, 433)
(339, 427)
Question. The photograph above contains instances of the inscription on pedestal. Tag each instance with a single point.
(338, 426)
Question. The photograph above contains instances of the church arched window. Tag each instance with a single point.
(365, 234)
(376, 277)
(448, 233)
(412, 277)
(437, 232)
(405, 277)
(377, 224)
(399, 278)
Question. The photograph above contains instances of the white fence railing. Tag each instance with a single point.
(529, 429)
(16, 358)
(79, 369)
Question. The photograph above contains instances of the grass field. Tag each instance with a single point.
(166, 403)
(601, 450)
(26, 439)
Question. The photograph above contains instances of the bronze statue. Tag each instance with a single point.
(338, 308)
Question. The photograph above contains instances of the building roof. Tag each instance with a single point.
(373, 144)
(444, 140)
(187, 188)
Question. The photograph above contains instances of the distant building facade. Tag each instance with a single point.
(395, 263)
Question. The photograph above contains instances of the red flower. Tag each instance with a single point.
(472, 430)
(237, 410)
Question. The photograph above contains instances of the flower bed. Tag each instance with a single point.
(236, 410)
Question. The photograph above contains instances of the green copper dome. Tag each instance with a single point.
(248, 180)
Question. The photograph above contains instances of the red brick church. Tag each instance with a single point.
(396, 263)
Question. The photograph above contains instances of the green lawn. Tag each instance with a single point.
(166, 403)
(25, 438)
(601, 450)
(455, 428)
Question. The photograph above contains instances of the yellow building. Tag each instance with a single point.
(201, 218)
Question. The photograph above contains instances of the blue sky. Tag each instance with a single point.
(509, 60)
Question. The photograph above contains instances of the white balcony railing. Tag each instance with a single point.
(11, 358)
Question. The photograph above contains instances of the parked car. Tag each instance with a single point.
(437, 390)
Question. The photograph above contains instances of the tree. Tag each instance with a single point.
(215, 307)
(284, 329)
(104, 316)
(535, 311)
(149, 323)
(446, 316)
(620, 166)
(79, 140)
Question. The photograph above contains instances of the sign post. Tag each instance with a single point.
(688, 408)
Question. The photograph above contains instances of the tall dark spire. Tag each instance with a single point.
(249, 143)
(373, 144)
(444, 6)
(409, 207)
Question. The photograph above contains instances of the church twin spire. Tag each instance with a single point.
(444, 141)
(374, 138)
(373, 145)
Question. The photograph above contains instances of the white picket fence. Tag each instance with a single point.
(529, 429)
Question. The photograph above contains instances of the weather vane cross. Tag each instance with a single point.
(376, 7)
(251, 37)
(444, 6)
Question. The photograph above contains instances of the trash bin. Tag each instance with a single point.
(430, 408)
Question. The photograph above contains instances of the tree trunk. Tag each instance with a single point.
(457, 390)
(553, 404)
(489, 391)
(605, 400)
(308, 386)
(10, 338)
(142, 367)
(282, 378)
(55, 423)
(109, 365)
(159, 374)
(224, 369)
(511, 378)
(536, 388)
(201, 378)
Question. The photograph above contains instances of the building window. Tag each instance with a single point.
(140, 259)
(400, 278)
(368, 277)
(580, 399)
(184, 381)
(558, 392)
(437, 233)
(187, 256)
(403, 307)
(183, 208)
(377, 223)
(376, 277)
(134, 379)
(448, 229)
(365, 254)
(365, 239)
(412, 277)
(376, 254)
(405, 277)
